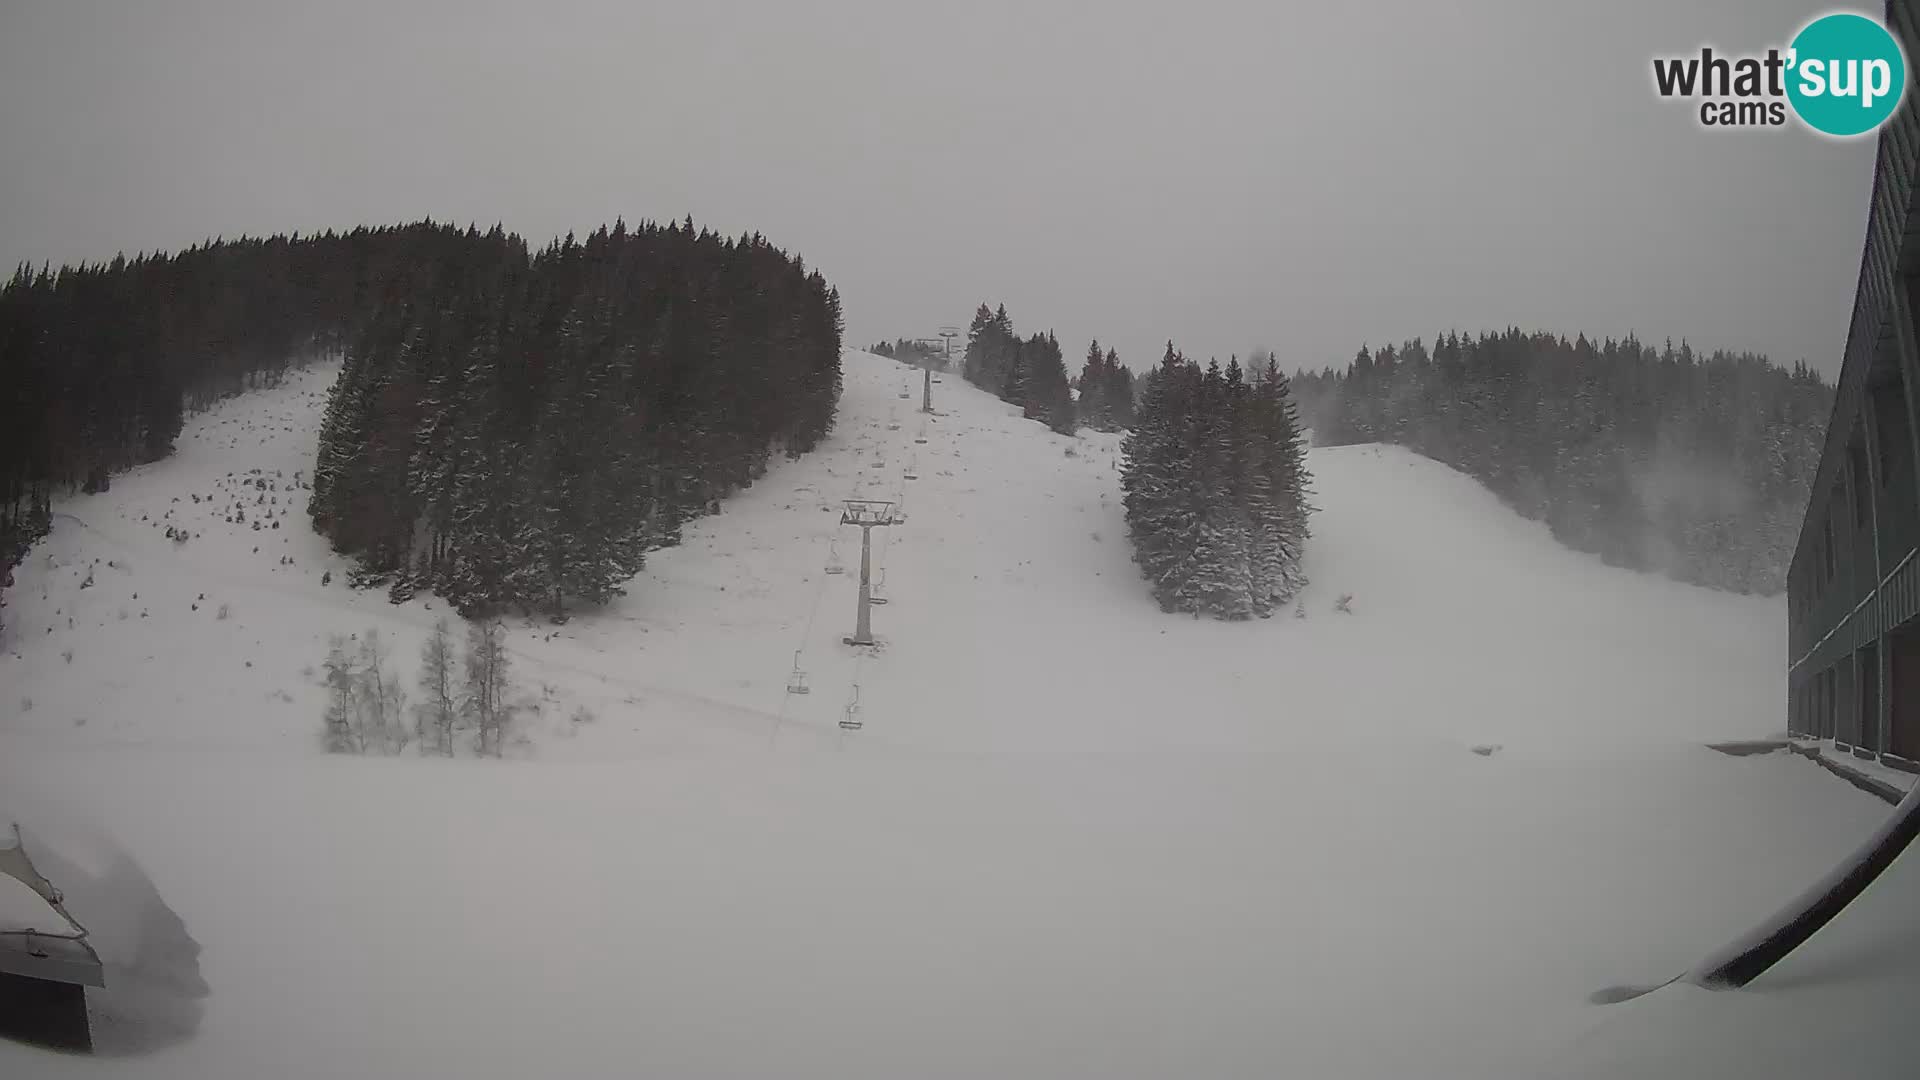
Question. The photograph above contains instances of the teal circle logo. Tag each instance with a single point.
(1846, 74)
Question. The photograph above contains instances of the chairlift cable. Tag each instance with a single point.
(806, 635)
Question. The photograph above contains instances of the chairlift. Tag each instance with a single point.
(920, 441)
(797, 679)
(834, 565)
(911, 475)
(904, 397)
(850, 719)
(876, 592)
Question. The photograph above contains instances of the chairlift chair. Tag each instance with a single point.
(876, 592)
(850, 719)
(834, 565)
(797, 679)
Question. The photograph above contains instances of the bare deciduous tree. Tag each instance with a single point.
(485, 693)
(365, 703)
(382, 699)
(342, 731)
(441, 709)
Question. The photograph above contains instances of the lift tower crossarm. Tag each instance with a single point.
(868, 514)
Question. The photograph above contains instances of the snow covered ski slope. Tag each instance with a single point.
(1075, 836)
(1016, 620)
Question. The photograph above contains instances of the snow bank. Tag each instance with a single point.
(860, 915)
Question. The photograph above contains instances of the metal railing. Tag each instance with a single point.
(1901, 584)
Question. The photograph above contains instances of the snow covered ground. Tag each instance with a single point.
(1076, 837)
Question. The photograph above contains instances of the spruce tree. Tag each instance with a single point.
(1118, 395)
(1158, 480)
(1217, 569)
(1288, 483)
(1043, 391)
(1092, 408)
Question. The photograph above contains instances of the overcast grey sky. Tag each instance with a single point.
(1302, 176)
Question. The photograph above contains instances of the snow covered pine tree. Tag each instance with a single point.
(1215, 485)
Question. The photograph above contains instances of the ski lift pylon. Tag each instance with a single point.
(797, 679)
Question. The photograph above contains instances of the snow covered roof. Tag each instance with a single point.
(37, 937)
